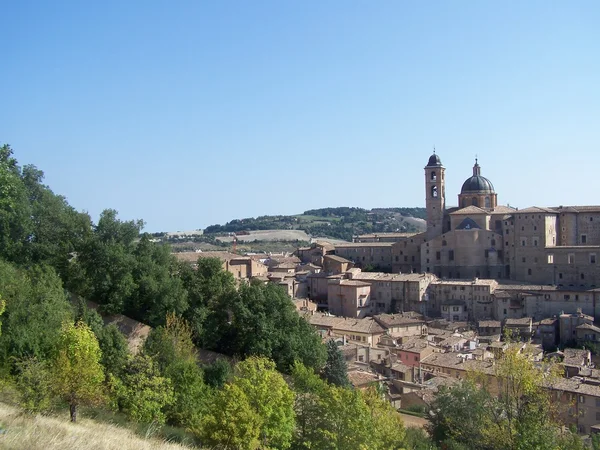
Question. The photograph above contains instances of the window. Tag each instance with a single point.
(535, 242)
(444, 243)
(567, 297)
(560, 276)
(451, 255)
(406, 259)
(433, 176)
(474, 202)
(487, 202)
(584, 239)
(528, 271)
(582, 276)
(486, 253)
(592, 258)
(455, 308)
(493, 242)
(523, 243)
(523, 259)
(438, 255)
(550, 259)
(397, 258)
(571, 258)
(434, 191)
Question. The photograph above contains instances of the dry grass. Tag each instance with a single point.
(20, 431)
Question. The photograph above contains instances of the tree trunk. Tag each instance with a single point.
(73, 411)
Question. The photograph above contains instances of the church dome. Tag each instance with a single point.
(477, 183)
(434, 161)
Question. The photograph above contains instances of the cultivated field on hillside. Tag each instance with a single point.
(268, 235)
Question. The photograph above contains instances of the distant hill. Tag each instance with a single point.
(338, 223)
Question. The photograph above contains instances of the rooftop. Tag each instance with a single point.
(391, 320)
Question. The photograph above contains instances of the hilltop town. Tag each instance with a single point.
(421, 310)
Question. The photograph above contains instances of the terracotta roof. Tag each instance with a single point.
(364, 244)
(586, 326)
(517, 322)
(353, 283)
(391, 320)
(366, 325)
(488, 324)
(380, 276)
(337, 258)
(469, 210)
(501, 209)
(359, 378)
(535, 209)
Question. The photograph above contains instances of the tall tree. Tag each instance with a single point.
(336, 369)
(36, 307)
(260, 399)
(77, 372)
(15, 211)
(142, 392)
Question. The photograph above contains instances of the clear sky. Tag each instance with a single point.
(191, 113)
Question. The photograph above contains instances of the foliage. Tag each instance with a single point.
(261, 320)
(417, 439)
(77, 372)
(36, 307)
(190, 394)
(336, 369)
(231, 423)
(141, 392)
(34, 383)
(259, 399)
(115, 350)
(334, 417)
(218, 373)
(388, 428)
(512, 410)
(172, 348)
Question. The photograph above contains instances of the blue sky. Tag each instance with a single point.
(187, 114)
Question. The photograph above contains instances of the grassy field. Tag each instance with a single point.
(20, 431)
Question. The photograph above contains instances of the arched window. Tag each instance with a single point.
(434, 191)
(487, 202)
(464, 203)
(474, 202)
(444, 243)
(433, 176)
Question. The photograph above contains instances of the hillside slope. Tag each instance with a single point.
(20, 431)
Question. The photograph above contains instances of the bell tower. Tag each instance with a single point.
(435, 196)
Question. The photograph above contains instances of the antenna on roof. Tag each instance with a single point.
(434, 149)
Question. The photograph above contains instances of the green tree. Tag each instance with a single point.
(258, 398)
(218, 373)
(308, 406)
(270, 396)
(336, 369)
(172, 348)
(232, 423)
(77, 372)
(34, 384)
(388, 428)
(158, 290)
(115, 350)
(15, 211)
(261, 320)
(36, 307)
(141, 392)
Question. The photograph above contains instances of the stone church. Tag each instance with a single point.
(481, 239)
